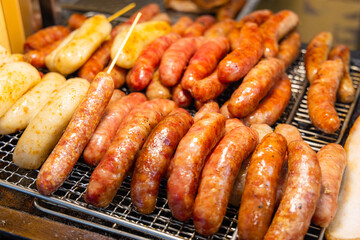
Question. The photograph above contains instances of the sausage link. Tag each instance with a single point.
(238, 63)
(154, 158)
(181, 24)
(232, 123)
(211, 106)
(220, 169)
(199, 27)
(234, 38)
(155, 88)
(255, 86)
(44, 37)
(292, 219)
(220, 29)
(118, 74)
(290, 132)
(258, 200)
(332, 160)
(258, 17)
(77, 134)
(76, 20)
(230, 10)
(182, 97)
(346, 91)
(97, 62)
(225, 111)
(148, 60)
(289, 48)
(322, 96)
(275, 28)
(273, 105)
(109, 124)
(204, 61)
(120, 156)
(317, 52)
(188, 162)
(37, 57)
(175, 59)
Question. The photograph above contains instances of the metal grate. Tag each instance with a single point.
(120, 214)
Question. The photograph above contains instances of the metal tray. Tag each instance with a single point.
(121, 218)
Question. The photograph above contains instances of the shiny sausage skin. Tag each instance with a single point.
(332, 160)
(181, 24)
(175, 59)
(292, 219)
(141, 73)
(291, 133)
(77, 134)
(182, 97)
(322, 96)
(275, 28)
(230, 10)
(230, 124)
(317, 52)
(258, 200)
(255, 86)
(118, 74)
(218, 176)
(273, 105)
(44, 37)
(346, 91)
(155, 88)
(120, 156)
(234, 38)
(258, 17)
(37, 57)
(154, 158)
(225, 111)
(188, 162)
(97, 62)
(199, 27)
(289, 48)
(205, 61)
(76, 20)
(109, 124)
(220, 29)
(211, 106)
(238, 63)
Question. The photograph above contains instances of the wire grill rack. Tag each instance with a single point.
(121, 218)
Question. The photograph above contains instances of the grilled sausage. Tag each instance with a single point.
(211, 106)
(181, 24)
(200, 25)
(225, 111)
(290, 132)
(37, 57)
(220, 29)
(118, 75)
(77, 134)
(182, 97)
(76, 20)
(258, 17)
(156, 89)
(289, 48)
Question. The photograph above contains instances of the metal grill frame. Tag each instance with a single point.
(122, 215)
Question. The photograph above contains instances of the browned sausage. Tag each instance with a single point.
(275, 28)
(292, 219)
(97, 62)
(332, 160)
(118, 74)
(230, 9)
(255, 86)
(188, 162)
(220, 29)
(182, 97)
(77, 134)
(234, 38)
(258, 200)
(44, 37)
(322, 96)
(225, 111)
(289, 48)
(273, 105)
(154, 158)
(258, 17)
(175, 60)
(155, 88)
(346, 91)
(218, 177)
(204, 61)
(181, 24)
(317, 52)
(199, 27)
(232, 123)
(37, 57)
(211, 106)
(149, 59)
(76, 20)
(238, 63)
(109, 124)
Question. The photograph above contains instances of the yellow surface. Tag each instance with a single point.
(4, 40)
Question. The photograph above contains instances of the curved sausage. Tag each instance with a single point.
(154, 158)
(258, 200)
(289, 48)
(37, 57)
(273, 105)
(275, 28)
(238, 63)
(76, 20)
(200, 25)
(141, 73)
(77, 134)
(182, 97)
(255, 86)
(317, 52)
(220, 169)
(220, 29)
(109, 124)
(322, 96)
(181, 24)
(332, 160)
(292, 219)
(155, 88)
(188, 162)
(346, 91)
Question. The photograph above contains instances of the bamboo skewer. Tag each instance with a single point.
(121, 12)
